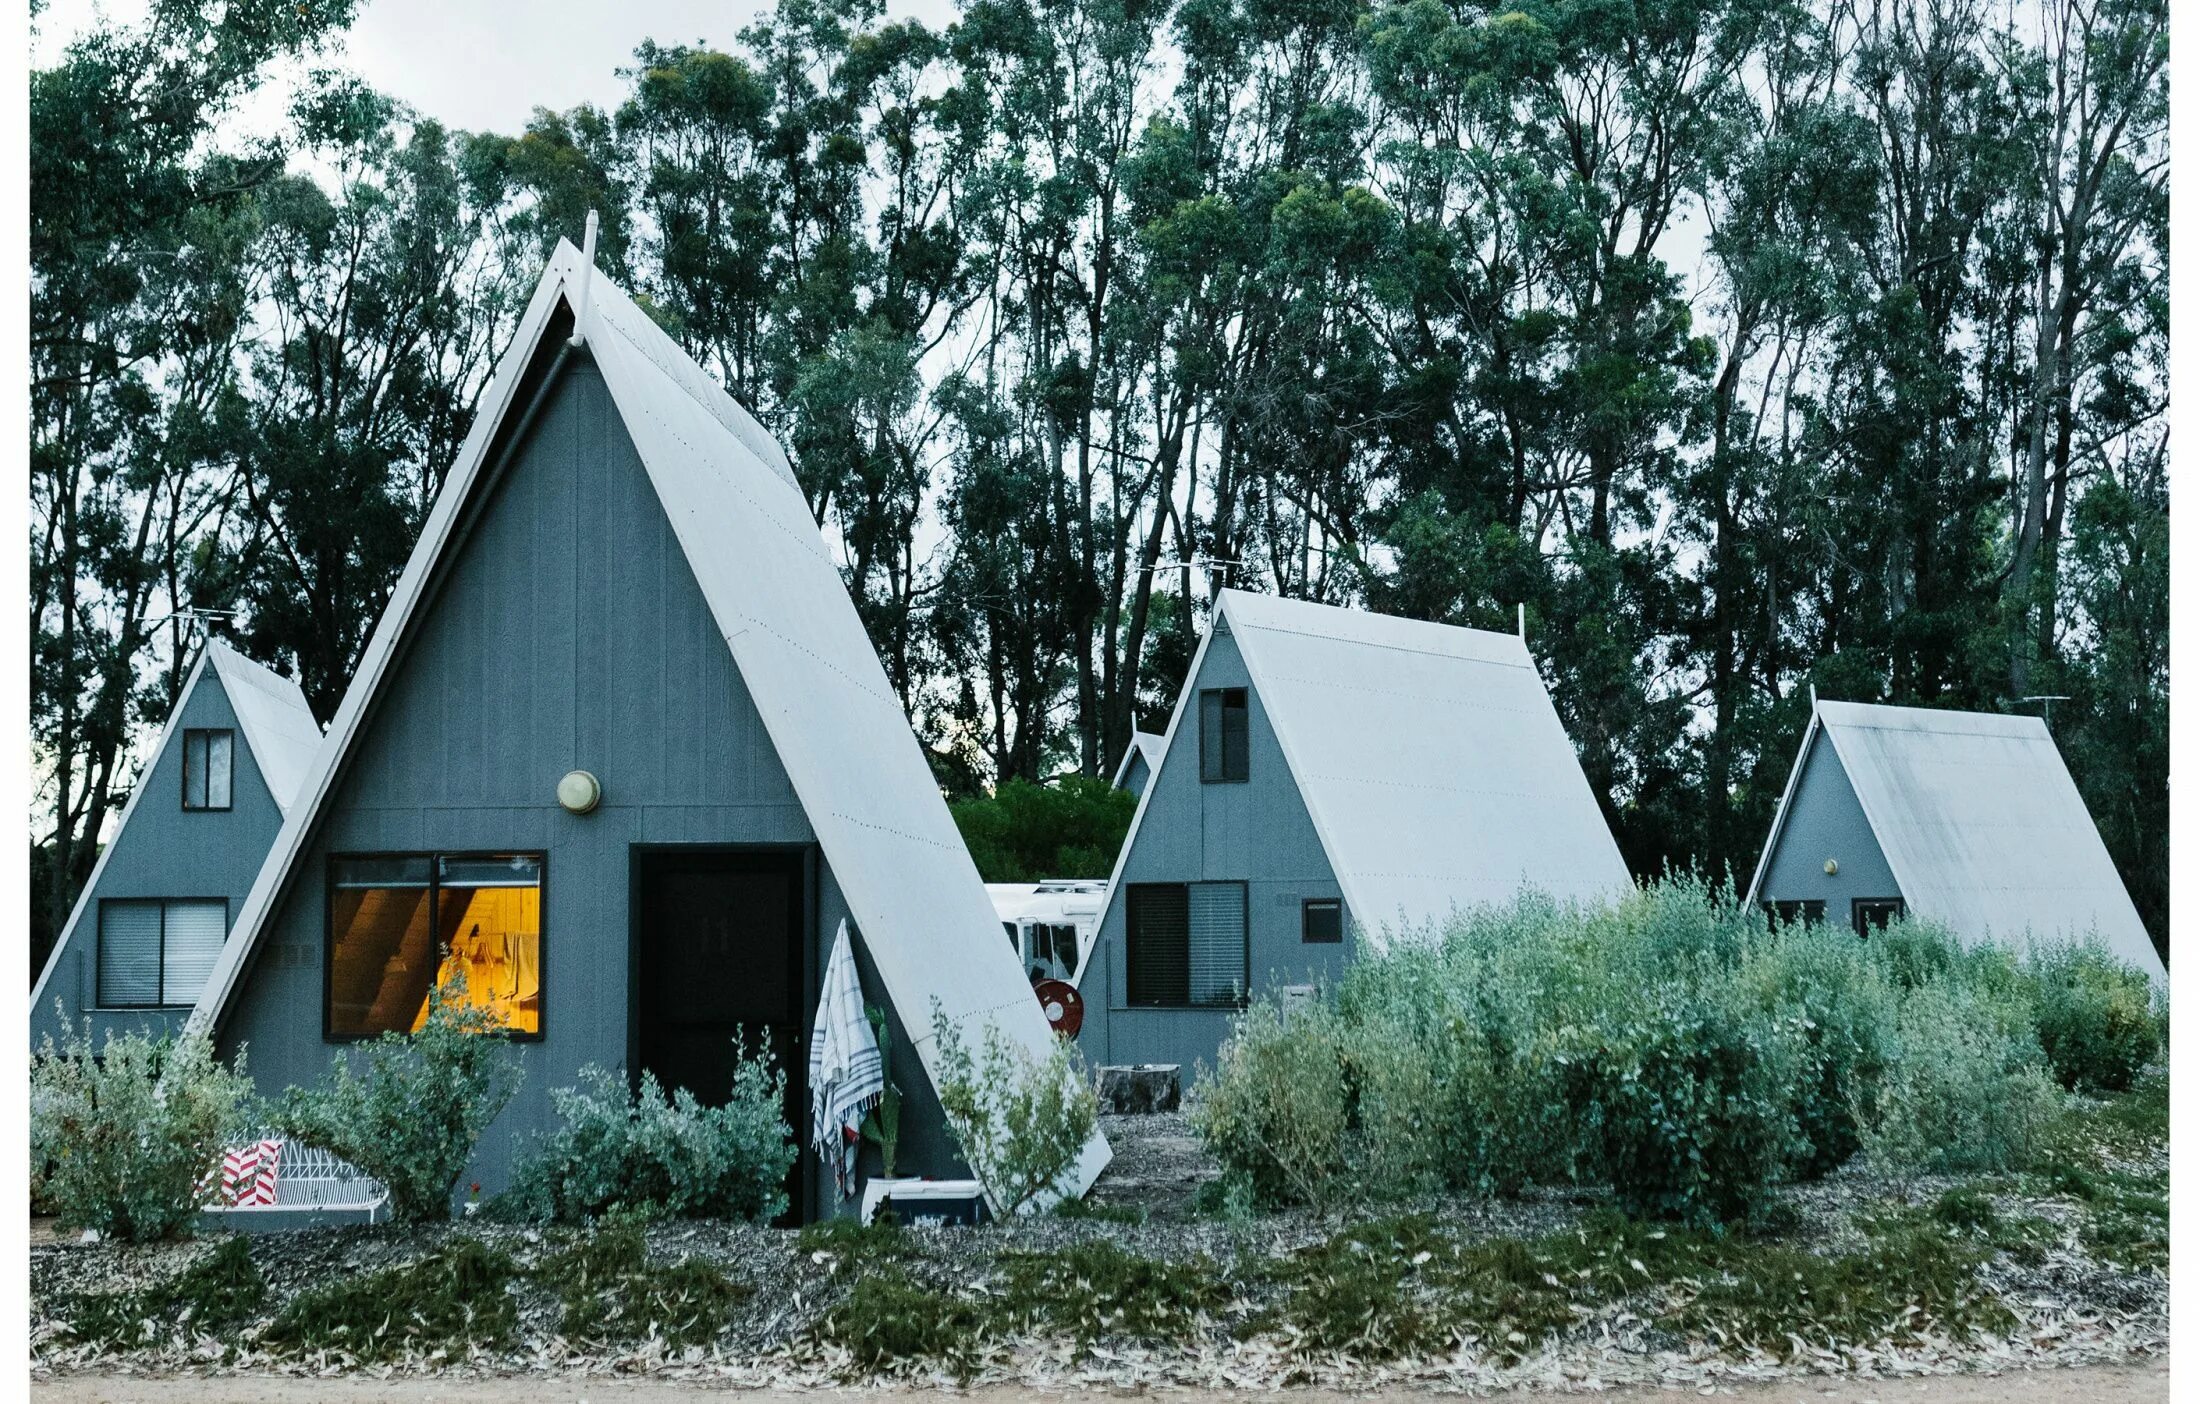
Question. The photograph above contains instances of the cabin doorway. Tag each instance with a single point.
(720, 956)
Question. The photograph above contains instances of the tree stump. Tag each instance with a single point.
(1143, 1088)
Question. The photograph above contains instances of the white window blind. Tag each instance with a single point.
(1217, 920)
(191, 945)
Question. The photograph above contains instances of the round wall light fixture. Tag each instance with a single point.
(1832, 866)
(579, 792)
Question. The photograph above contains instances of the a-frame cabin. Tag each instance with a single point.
(1970, 819)
(621, 750)
(1330, 776)
(150, 923)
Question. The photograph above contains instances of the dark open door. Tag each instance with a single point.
(718, 956)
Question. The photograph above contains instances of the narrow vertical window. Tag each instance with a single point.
(1217, 944)
(207, 762)
(1223, 736)
(1156, 937)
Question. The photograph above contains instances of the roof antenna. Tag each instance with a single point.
(1523, 608)
(588, 275)
(1814, 697)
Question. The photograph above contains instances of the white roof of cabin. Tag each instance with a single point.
(272, 713)
(1146, 744)
(1429, 756)
(1983, 826)
(779, 599)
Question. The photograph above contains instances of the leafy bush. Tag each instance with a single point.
(1022, 1120)
(127, 1137)
(665, 1154)
(1670, 1044)
(1276, 1112)
(2096, 1018)
(1024, 832)
(1684, 1105)
(414, 1116)
(1967, 1090)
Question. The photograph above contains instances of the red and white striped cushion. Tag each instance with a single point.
(249, 1173)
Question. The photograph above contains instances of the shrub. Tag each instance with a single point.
(665, 1154)
(127, 1137)
(414, 1116)
(1024, 832)
(1685, 1107)
(889, 1320)
(1275, 1113)
(1022, 1119)
(2095, 1017)
(1967, 1091)
(1845, 1007)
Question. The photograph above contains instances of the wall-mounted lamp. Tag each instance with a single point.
(579, 792)
(1832, 866)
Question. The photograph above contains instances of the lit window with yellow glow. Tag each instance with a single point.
(401, 925)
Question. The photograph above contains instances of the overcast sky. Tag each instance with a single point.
(485, 66)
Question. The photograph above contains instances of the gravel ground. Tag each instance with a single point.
(2073, 1310)
(2113, 1384)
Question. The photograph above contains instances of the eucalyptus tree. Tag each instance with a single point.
(132, 307)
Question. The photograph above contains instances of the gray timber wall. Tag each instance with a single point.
(1258, 833)
(1825, 820)
(166, 851)
(569, 634)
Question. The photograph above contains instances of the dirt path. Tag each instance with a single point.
(2144, 1383)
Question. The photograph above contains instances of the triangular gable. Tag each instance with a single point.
(1430, 757)
(274, 724)
(1984, 827)
(1146, 746)
(779, 600)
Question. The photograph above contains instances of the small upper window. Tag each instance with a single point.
(1222, 736)
(1321, 921)
(207, 759)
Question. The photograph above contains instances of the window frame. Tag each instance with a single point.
(160, 967)
(1219, 772)
(435, 857)
(208, 733)
(1245, 937)
(1808, 912)
(1307, 908)
(1860, 909)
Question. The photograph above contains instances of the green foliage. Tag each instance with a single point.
(1686, 1104)
(1021, 1119)
(662, 1153)
(1669, 1045)
(219, 1291)
(889, 1321)
(1095, 1291)
(1025, 832)
(412, 1116)
(1968, 1090)
(610, 1293)
(2096, 1018)
(1913, 1280)
(847, 1247)
(882, 1126)
(454, 1300)
(126, 1133)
